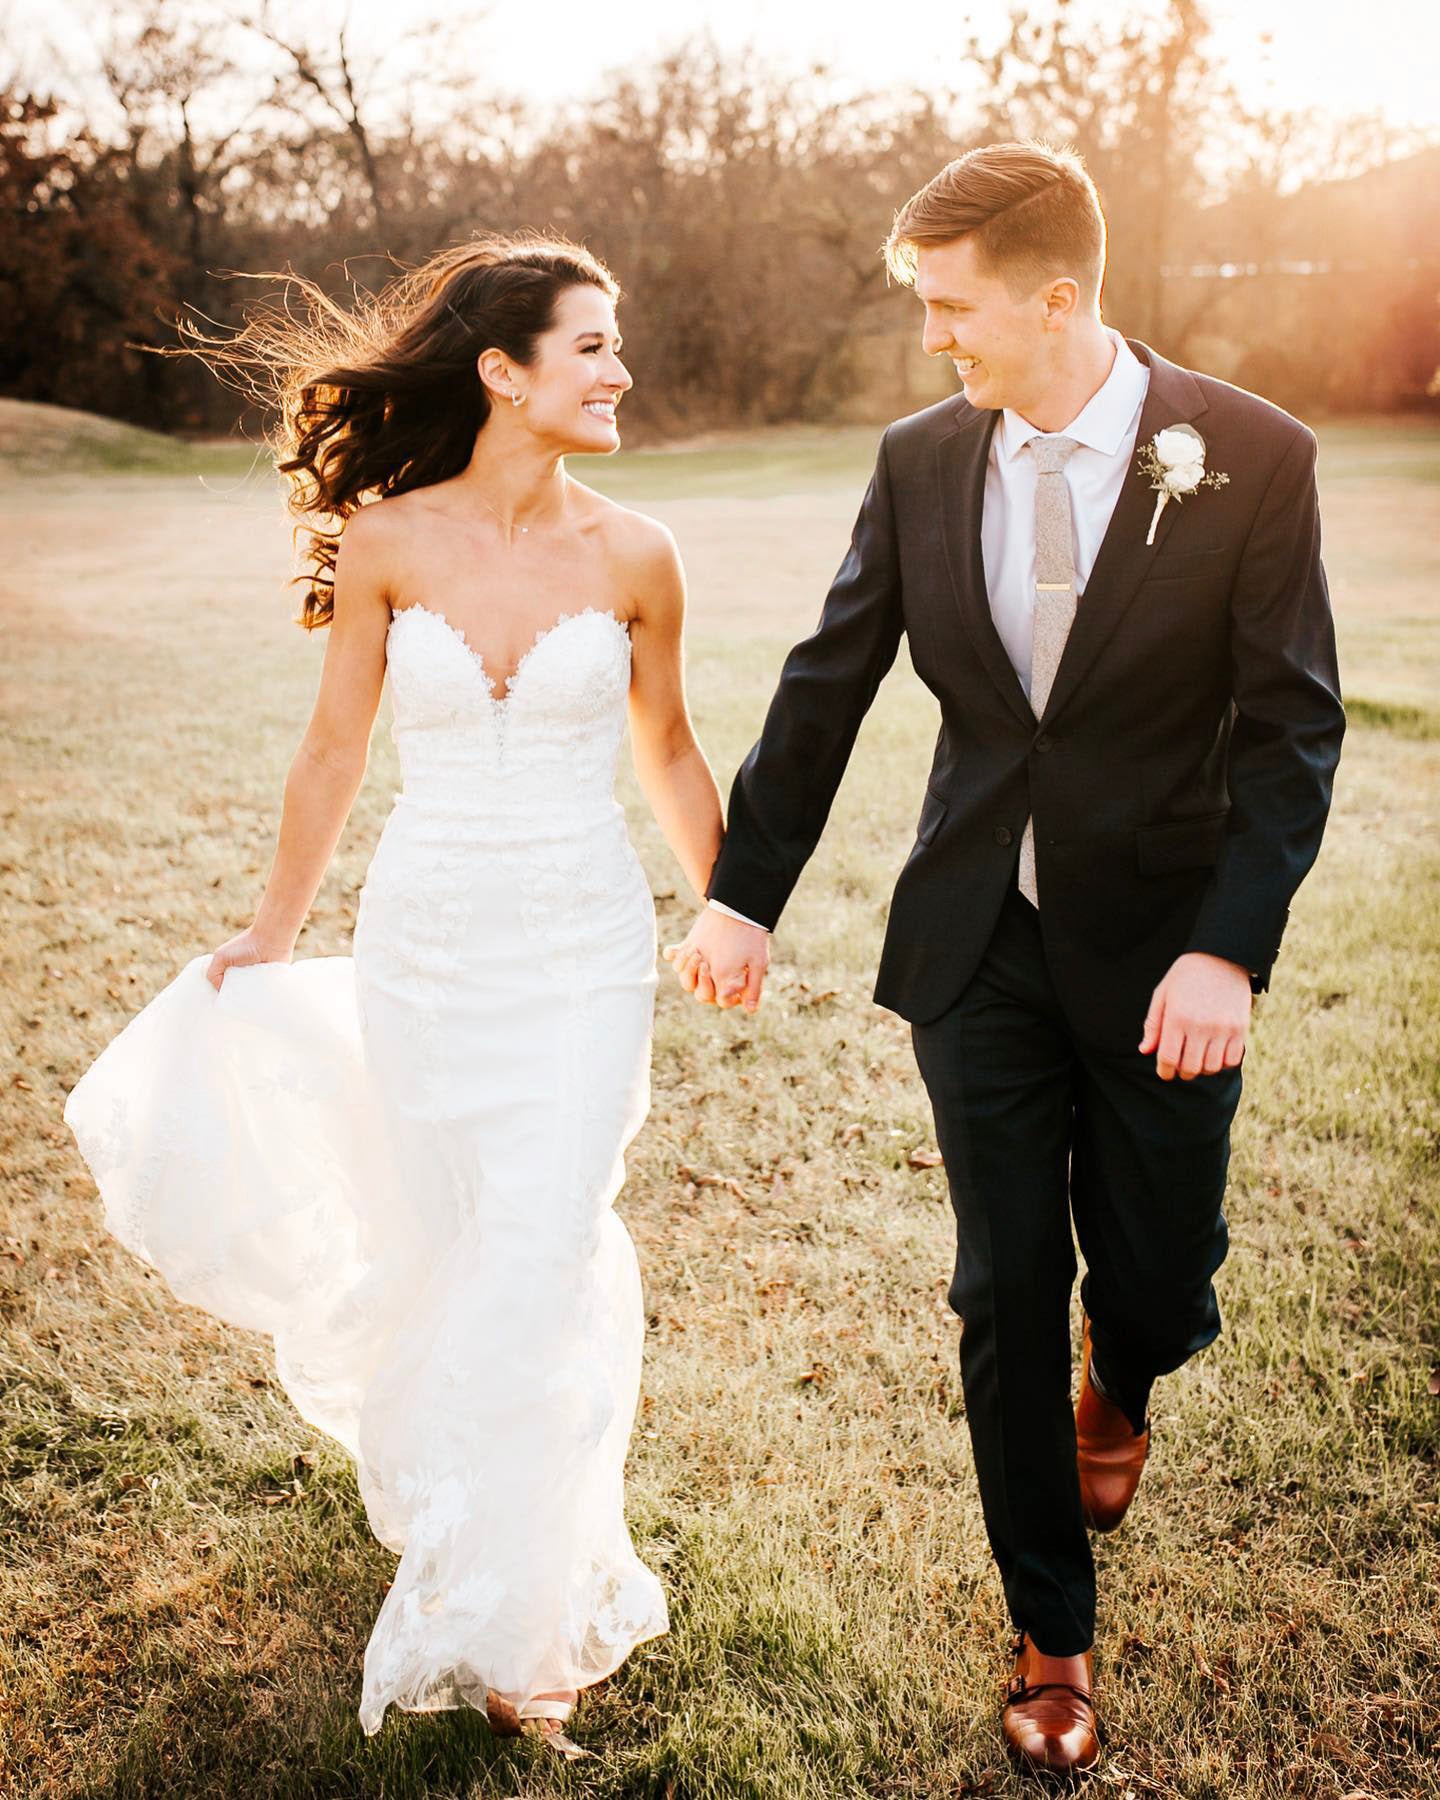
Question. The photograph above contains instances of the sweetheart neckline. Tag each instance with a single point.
(477, 656)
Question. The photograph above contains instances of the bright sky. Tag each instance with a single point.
(1334, 54)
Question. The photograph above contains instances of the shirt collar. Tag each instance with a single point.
(1103, 421)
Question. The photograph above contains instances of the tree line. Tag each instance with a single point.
(742, 208)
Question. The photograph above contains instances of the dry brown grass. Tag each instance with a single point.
(185, 1599)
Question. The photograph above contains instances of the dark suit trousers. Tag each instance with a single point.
(1037, 1127)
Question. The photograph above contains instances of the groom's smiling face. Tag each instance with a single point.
(1000, 338)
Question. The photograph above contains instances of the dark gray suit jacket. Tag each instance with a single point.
(1181, 774)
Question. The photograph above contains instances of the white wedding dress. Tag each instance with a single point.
(402, 1167)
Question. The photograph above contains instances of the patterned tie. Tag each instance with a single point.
(1054, 599)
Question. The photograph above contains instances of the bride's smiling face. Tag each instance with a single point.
(576, 378)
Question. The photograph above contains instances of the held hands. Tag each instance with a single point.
(1198, 1018)
(1197, 1024)
(240, 952)
(722, 961)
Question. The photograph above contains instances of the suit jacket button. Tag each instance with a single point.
(1003, 835)
(1044, 743)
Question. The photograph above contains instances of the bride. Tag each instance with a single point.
(402, 1166)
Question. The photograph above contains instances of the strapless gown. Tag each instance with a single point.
(401, 1166)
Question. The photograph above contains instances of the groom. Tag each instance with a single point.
(1132, 649)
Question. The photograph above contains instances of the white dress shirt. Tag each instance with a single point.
(1106, 428)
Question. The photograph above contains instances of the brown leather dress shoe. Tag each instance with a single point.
(1048, 1715)
(1109, 1452)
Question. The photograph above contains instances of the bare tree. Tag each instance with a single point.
(333, 80)
(320, 67)
(186, 117)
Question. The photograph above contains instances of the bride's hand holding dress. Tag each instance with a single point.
(243, 951)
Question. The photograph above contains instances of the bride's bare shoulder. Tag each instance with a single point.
(632, 538)
(380, 524)
(377, 543)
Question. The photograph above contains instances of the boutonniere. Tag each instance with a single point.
(1174, 459)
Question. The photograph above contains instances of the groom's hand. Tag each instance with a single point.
(722, 961)
(1198, 1018)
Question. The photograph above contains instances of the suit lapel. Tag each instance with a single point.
(1124, 557)
(962, 455)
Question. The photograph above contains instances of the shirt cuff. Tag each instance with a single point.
(730, 913)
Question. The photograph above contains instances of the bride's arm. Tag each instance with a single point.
(329, 765)
(670, 765)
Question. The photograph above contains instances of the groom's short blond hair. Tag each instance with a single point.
(1031, 208)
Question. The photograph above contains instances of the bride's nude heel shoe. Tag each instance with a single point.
(546, 1720)
(553, 1735)
(547, 1717)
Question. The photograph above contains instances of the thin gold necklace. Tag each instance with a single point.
(510, 524)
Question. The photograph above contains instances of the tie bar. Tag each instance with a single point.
(1054, 587)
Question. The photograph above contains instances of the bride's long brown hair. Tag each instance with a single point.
(384, 396)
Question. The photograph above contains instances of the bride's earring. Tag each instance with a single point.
(517, 399)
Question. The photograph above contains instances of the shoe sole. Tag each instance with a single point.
(1066, 1776)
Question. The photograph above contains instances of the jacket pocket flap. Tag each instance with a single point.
(1182, 844)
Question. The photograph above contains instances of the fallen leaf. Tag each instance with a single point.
(1214, 1675)
(700, 1179)
(925, 1159)
(1333, 1746)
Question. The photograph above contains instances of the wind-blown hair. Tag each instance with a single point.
(384, 395)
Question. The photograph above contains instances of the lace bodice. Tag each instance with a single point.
(544, 749)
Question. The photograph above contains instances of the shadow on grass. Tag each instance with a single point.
(220, 1737)
(765, 1688)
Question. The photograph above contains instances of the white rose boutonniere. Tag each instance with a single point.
(1174, 459)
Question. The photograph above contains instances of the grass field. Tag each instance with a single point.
(186, 1578)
